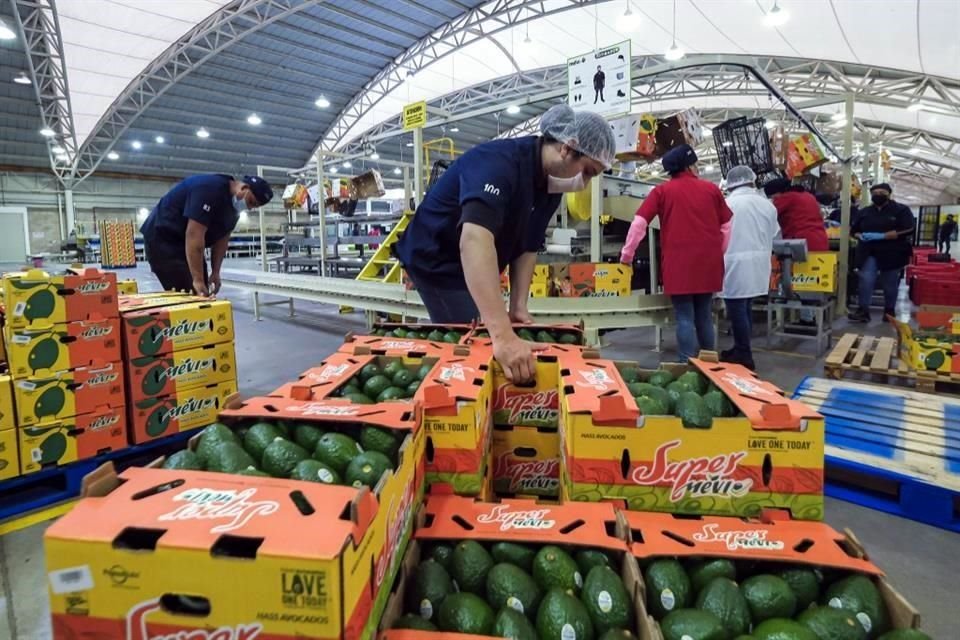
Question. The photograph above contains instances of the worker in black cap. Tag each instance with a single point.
(945, 234)
(883, 249)
(199, 212)
(695, 226)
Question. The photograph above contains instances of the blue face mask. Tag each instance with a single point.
(239, 204)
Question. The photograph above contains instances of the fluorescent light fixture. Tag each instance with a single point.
(346, 164)
(776, 16)
(159, 139)
(254, 119)
(143, 211)
(62, 157)
(203, 133)
(915, 106)
(47, 132)
(526, 38)
(136, 144)
(374, 156)
(113, 155)
(397, 170)
(333, 169)
(454, 129)
(322, 102)
(409, 144)
(58, 149)
(674, 52)
(707, 133)
(513, 109)
(709, 168)
(6, 33)
(22, 78)
(629, 21)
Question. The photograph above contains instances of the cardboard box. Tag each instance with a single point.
(540, 290)
(154, 376)
(180, 411)
(929, 349)
(140, 301)
(61, 395)
(8, 419)
(525, 461)
(479, 338)
(128, 287)
(793, 543)
(817, 275)
(9, 454)
(37, 296)
(71, 439)
(41, 350)
(937, 321)
(176, 327)
(360, 345)
(537, 405)
(420, 332)
(770, 457)
(595, 280)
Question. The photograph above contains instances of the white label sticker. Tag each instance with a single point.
(578, 579)
(325, 476)
(686, 637)
(426, 609)
(865, 621)
(568, 632)
(456, 587)
(667, 599)
(36, 455)
(20, 339)
(71, 580)
(835, 603)
(19, 308)
(604, 601)
(515, 604)
(26, 385)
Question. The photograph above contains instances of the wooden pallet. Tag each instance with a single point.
(865, 357)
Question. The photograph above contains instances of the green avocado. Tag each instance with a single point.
(369, 371)
(587, 559)
(606, 600)
(651, 406)
(510, 586)
(512, 624)
(858, 595)
(782, 629)
(804, 583)
(452, 337)
(545, 336)
(668, 587)
(554, 568)
(718, 404)
(429, 586)
(514, 553)
(465, 612)
(307, 435)
(412, 621)
(629, 374)
(768, 596)
(722, 598)
(661, 378)
(391, 393)
(211, 437)
(281, 457)
(314, 471)
(470, 565)
(386, 441)
(229, 457)
(562, 617)
(392, 368)
(376, 385)
(367, 469)
(832, 624)
(696, 381)
(703, 571)
(693, 411)
(259, 437)
(336, 450)
(692, 624)
(435, 336)
(184, 460)
(403, 378)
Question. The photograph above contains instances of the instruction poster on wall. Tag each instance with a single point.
(599, 81)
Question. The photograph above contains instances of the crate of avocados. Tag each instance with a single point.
(57, 396)
(392, 346)
(515, 569)
(307, 557)
(422, 333)
(37, 296)
(565, 334)
(525, 461)
(47, 348)
(182, 410)
(711, 438)
(184, 322)
(709, 578)
(53, 444)
(155, 376)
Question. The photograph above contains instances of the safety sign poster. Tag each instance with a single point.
(599, 81)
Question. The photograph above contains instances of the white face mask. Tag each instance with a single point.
(239, 204)
(565, 185)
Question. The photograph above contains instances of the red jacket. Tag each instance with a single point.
(691, 212)
(799, 216)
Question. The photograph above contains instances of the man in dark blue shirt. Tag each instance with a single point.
(490, 209)
(199, 212)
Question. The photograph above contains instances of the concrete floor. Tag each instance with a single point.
(921, 561)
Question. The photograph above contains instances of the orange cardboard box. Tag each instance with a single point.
(44, 349)
(61, 395)
(71, 439)
(140, 301)
(359, 345)
(185, 323)
(593, 280)
(525, 461)
(37, 296)
(420, 331)
(155, 376)
(573, 333)
(181, 410)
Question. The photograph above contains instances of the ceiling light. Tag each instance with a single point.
(159, 140)
(526, 38)
(333, 169)
(5, 32)
(61, 156)
(346, 164)
(513, 109)
(203, 133)
(322, 102)
(409, 144)
(707, 133)
(136, 144)
(113, 155)
(143, 211)
(838, 116)
(254, 119)
(674, 52)
(47, 132)
(454, 129)
(22, 78)
(629, 21)
(374, 156)
(776, 16)
(709, 168)
(58, 149)
(770, 124)
(397, 170)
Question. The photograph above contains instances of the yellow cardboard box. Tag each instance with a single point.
(9, 454)
(128, 287)
(8, 418)
(934, 345)
(817, 275)
(35, 295)
(525, 461)
(72, 439)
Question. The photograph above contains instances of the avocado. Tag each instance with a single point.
(313, 471)
(526, 334)
(804, 584)
(374, 386)
(307, 435)
(443, 554)
(513, 625)
(281, 457)
(424, 371)
(618, 634)
(782, 629)
(692, 624)
(411, 621)
(768, 596)
(184, 460)
(606, 600)
(668, 587)
(832, 624)
(391, 368)
(403, 378)
(718, 404)
(386, 441)
(252, 471)
(629, 374)
(677, 389)
(359, 398)
(569, 338)
(651, 406)
(470, 565)
(645, 389)
(435, 336)
(368, 372)
(411, 389)
(514, 553)
(545, 336)
(284, 427)
(553, 567)
(452, 337)
(905, 634)
(858, 595)
(722, 598)
(703, 571)
(229, 457)
(367, 469)
(636, 388)
(211, 437)
(562, 617)
(693, 411)
(661, 378)
(587, 559)
(391, 393)
(428, 587)
(510, 586)
(259, 437)
(399, 332)
(696, 381)
(336, 450)
(465, 613)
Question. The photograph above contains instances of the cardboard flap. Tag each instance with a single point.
(452, 517)
(595, 386)
(454, 378)
(146, 301)
(390, 415)
(797, 541)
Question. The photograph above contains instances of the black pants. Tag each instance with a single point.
(173, 272)
(944, 245)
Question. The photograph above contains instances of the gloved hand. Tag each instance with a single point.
(870, 236)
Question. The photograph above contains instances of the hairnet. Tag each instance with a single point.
(741, 175)
(586, 132)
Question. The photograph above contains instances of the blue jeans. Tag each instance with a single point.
(447, 306)
(694, 324)
(739, 312)
(889, 281)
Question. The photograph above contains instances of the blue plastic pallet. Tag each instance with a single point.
(34, 491)
(889, 449)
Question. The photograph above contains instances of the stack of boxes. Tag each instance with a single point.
(9, 452)
(179, 354)
(591, 280)
(62, 337)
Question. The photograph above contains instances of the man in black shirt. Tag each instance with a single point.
(945, 234)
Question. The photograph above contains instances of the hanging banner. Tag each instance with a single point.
(599, 81)
(414, 115)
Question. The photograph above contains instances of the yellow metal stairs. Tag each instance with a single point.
(382, 266)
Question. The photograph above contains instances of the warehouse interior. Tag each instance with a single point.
(106, 106)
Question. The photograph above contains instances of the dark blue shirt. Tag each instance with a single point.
(506, 177)
(204, 198)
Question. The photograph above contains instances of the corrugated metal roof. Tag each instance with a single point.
(20, 140)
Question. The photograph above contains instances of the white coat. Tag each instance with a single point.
(747, 260)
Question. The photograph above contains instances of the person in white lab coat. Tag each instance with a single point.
(747, 259)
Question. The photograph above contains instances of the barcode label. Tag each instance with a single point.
(19, 308)
(36, 455)
(26, 385)
(20, 339)
(70, 580)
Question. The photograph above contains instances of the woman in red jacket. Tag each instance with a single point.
(798, 213)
